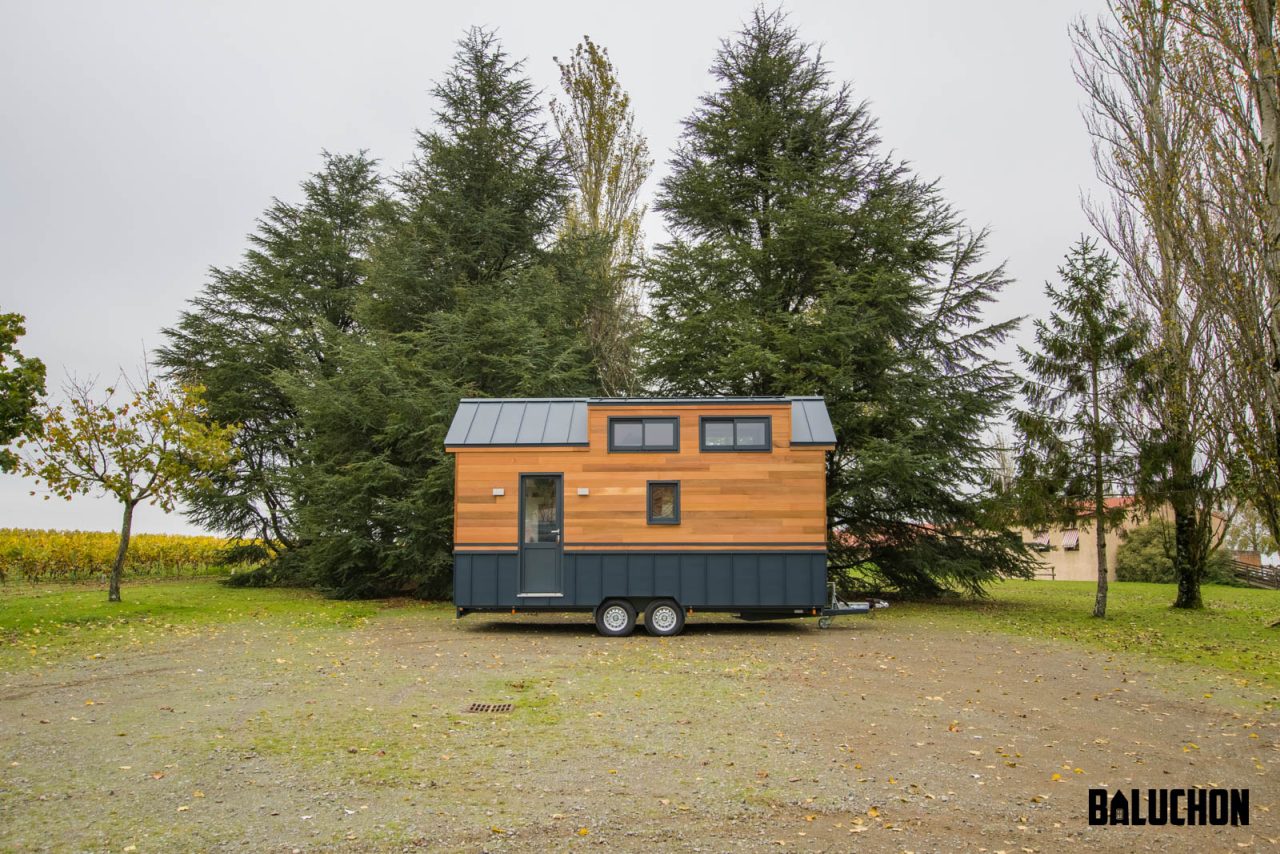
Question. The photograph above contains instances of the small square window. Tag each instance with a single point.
(750, 434)
(664, 502)
(717, 434)
(659, 434)
(628, 434)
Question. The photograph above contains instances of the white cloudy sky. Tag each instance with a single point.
(139, 140)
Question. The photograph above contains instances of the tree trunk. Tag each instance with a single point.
(1185, 571)
(1099, 506)
(117, 569)
(1099, 522)
(1262, 16)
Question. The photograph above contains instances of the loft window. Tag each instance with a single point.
(664, 502)
(753, 433)
(644, 434)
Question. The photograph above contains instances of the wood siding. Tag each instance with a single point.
(727, 499)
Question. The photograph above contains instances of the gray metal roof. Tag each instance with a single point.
(560, 421)
(810, 423)
(563, 421)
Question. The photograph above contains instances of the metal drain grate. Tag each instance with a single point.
(490, 707)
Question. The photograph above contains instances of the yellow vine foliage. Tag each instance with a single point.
(45, 555)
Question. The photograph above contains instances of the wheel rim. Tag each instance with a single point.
(664, 618)
(614, 618)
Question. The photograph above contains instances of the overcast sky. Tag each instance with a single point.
(138, 141)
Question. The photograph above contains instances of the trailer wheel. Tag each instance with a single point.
(663, 618)
(824, 622)
(615, 618)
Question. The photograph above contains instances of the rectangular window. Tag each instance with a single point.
(744, 433)
(644, 434)
(1071, 540)
(664, 502)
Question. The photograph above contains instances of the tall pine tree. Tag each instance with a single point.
(1074, 453)
(275, 316)
(468, 295)
(803, 261)
(482, 198)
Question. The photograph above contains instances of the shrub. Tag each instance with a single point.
(1146, 554)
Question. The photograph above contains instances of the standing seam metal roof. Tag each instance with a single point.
(519, 422)
(563, 421)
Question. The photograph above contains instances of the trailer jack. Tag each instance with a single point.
(838, 607)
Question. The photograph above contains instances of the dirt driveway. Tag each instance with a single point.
(878, 735)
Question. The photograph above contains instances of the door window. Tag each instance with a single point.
(541, 503)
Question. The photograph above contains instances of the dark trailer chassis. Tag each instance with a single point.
(664, 616)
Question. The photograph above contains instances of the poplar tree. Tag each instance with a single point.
(608, 161)
(1148, 139)
(803, 260)
(1073, 448)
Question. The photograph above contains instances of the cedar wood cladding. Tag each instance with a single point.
(761, 501)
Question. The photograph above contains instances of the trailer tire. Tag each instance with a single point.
(615, 618)
(663, 618)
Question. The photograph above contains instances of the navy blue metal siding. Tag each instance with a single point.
(737, 579)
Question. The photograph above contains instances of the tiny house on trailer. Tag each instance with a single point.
(628, 506)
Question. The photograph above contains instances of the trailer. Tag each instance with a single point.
(643, 509)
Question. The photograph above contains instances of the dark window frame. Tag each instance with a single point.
(674, 447)
(767, 447)
(648, 502)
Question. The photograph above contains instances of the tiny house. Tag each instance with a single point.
(629, 508)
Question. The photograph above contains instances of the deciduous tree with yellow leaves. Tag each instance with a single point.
(146, 442)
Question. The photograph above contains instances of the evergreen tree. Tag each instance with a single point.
(1073, 449)
(481, 199)
(272, 317)
(803, 261)
(468, 296)
(21, 387)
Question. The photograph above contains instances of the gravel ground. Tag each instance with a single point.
(878, 734)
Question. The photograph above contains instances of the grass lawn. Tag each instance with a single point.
(43, 622)
(1231, 634)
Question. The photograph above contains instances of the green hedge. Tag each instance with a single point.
(1146, 554)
